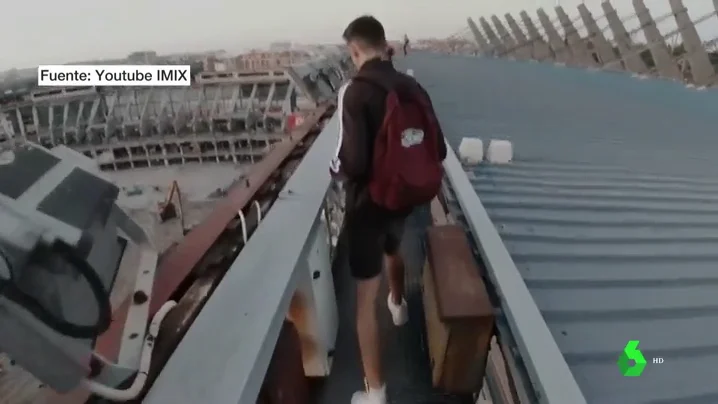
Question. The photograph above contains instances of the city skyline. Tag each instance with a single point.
(58, 33)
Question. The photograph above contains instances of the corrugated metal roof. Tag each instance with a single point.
(609, 211)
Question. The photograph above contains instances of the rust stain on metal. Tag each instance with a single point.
(296, 308)
(182, 260)
(297, 314)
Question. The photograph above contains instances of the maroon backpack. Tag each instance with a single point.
(406, 168)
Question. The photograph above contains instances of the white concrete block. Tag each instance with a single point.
(410, 72)
(500, 151)
(6, 157)
(471, 150)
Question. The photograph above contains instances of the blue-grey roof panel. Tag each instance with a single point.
(609, 211)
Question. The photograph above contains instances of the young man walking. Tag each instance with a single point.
(389, 157)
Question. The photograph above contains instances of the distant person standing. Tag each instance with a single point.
(406, 44)
(390, 53)
(389, 158)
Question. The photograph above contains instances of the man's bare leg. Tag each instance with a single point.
(366, 264)
(368, 331)
(394, 265)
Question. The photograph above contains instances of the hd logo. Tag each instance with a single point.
(631, 353)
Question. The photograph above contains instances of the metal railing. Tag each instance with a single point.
(243, 317)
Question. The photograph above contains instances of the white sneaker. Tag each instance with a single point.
(371, 396)
(399, 312)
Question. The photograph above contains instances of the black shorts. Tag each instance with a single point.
(372, 233)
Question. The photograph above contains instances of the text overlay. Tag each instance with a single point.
(113, 75)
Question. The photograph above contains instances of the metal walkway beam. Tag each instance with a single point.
(243, 317)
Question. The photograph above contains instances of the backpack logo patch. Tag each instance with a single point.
(411, 137)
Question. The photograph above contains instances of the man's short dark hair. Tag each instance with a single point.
(367, 30)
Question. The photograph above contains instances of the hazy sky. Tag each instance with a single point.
(35, 32)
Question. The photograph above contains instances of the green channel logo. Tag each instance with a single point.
(631, 353)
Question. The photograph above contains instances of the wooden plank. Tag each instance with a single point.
(459, 314)
(497, 365)
(438, 213)
(437, 335)
(461, 292)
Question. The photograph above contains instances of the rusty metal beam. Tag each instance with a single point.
(192, 268)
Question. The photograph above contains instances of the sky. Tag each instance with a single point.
(45, 32)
